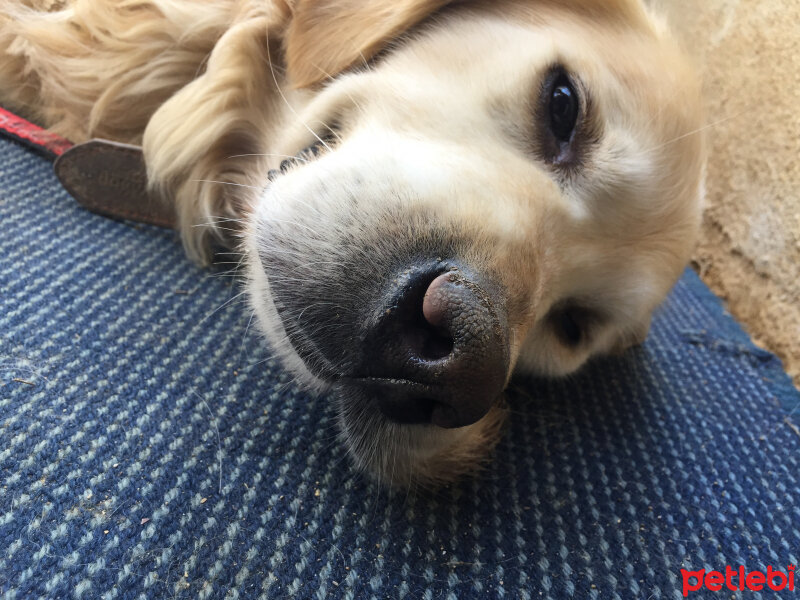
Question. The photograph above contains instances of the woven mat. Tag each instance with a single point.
(150, 447)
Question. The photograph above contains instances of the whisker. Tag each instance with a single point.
(301, 202)
(698, 130)
(226, 303)
(367, 66)
(294, 223)
(348, 94)
(218, 227)
(225, 183)
(286, 101)
(243, 347)
(221, 219)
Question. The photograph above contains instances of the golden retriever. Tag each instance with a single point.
(428, 194)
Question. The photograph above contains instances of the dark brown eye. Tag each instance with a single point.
(574, 323)
(568, 327)
(563, 108)
(564, 130)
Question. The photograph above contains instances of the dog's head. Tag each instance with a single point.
(506, 185)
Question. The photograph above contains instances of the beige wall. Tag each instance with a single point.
(749, 53)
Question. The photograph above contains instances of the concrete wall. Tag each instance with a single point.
(749, 53)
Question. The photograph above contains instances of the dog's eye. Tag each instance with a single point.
(574, 323)
(561, 133)
(568, 327)
(563, 108)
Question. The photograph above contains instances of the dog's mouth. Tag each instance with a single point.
(408, 402)
(411, 454)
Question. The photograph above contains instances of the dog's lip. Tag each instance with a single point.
(366, 382)
(429, 407)
(404, 401)
(358, 379)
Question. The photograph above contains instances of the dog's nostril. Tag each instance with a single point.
(439, 352)
(423, 339)
(426, 342)
(436, 346)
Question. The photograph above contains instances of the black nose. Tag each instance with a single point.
(438, 351)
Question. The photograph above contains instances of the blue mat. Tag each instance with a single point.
(150, 448)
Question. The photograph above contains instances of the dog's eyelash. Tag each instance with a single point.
(306, 155)
(323, 143)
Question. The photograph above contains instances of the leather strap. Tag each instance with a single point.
(42, 141)
(106, 177)
(110, 179)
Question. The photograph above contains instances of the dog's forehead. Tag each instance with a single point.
(498, 48)
(486, 54)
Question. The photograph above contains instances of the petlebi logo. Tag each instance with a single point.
(738, 580)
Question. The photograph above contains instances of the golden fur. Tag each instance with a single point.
(428, 106)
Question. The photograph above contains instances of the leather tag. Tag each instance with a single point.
(110, 179)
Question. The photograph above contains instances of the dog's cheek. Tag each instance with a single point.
(633, 337)
(268, 320)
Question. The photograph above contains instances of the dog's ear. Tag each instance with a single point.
(326, 37)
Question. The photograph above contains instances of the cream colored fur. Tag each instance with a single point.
(439, 131)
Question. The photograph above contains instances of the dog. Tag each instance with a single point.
(428, 195)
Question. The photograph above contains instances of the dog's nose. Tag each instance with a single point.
(439, 351)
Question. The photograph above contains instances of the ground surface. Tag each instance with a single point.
(151, 448)
(749, 52)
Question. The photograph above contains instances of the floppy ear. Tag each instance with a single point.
(204, 147)
(326, 37)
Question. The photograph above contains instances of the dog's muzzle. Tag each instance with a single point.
(424, 343)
